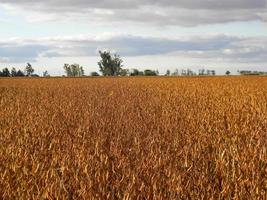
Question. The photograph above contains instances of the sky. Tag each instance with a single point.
(147, 34)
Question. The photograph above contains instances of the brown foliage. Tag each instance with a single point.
(133, 138)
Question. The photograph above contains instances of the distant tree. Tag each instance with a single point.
(20, 73)
(141, 73)
(201, 72)
(5, 72)
(46, 74)
(227, 73)
(183, 72)
(110, 65)
(29, 69)
(73, 70)
(13, 72)
(67, 69)
(168, 72)
(81, 71)
(135, 72)
(175, 73)
(251, 73)
(149, 72)
(94, 74)
(124, 72)
(189, 72)
(210, 72)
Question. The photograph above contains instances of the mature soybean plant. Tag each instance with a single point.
(133, 138)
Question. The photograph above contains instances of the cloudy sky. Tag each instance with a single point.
(157, 34)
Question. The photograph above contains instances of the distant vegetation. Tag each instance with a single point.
(73, 70)
(247, 72)
(28, 71)
(111, 65)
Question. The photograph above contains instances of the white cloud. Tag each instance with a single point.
(148, 12)
(222, 47)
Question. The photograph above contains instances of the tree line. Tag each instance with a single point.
(28, 71)
(252, 73)
(109, 65)
(112, 65)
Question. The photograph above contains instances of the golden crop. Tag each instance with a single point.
(133, 138)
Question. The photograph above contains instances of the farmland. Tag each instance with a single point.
(133, 138)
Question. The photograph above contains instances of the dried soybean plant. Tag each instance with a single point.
(133, 138)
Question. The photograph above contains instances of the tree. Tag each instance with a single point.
(5, 72)
(110, 65)
(201, 72)
(20, 73)
(124, 72)
(29, 70)
(94, 74)
(81, 71)
(189, 72)
(13, 72)
(175, 73)
(135, 72)
(73, 70)
(149, 72)
(183, 72)
(168, 72)
(67, 69)
(227, 73)
(46, 74)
